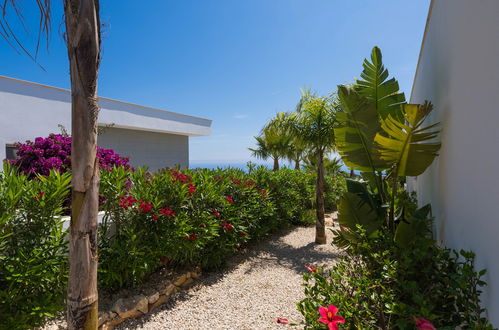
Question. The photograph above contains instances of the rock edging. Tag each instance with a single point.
(139, 305)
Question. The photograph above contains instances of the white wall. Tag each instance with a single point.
(29, 110)
(459, 72)
(156, 150)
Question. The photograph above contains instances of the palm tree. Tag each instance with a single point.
(83, 40)
(313, 123)
(270, 145)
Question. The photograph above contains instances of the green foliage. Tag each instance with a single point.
(33, 250)
(380, 286)
(405, 144)
(384, 139)
(226, 209)
(376, 87)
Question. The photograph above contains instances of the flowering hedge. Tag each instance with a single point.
(191, 217)
(54, 153)
(172, 218)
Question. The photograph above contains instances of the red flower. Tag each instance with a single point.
(155, 217)
(215, 213)
(329, 317)
(423, 324)
(236, 182)
(145, 206)
(250, 183)
(311, 268)
(227, 226)
(40, 195)
(192, 188)
(191, 237)
(167, 211)
(229, 199)
(164, 260)
(126, 202)
(282, 320)
(264, 193)
(179, 176)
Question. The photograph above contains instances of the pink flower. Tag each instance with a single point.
(329, 317)
(423, 324)
(282, 320)
(155, 217)
(229, 199)
(311, 269)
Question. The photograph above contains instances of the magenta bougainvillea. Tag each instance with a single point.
(54, 152)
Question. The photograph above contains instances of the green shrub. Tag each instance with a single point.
(379, 285)
(212, 214)
(33, 250)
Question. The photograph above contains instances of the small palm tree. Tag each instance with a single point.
(313, 124)
(270, 144)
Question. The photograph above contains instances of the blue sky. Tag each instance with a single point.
(236, 62)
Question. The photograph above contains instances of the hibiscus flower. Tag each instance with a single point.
(329, 317)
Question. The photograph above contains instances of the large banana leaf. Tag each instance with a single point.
(357, 126)
(378, 89)
(406, 144)
(417, 224)
(353, 211)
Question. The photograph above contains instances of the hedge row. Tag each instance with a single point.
(172, 218)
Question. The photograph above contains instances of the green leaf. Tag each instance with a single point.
(378, 89)
(405, 144)
(357, 126)
(408, 230)
(353, 211)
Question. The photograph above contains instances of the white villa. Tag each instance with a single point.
(151, 137)
(458, 72)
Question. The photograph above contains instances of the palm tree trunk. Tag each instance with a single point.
(276, 163)
(297, 164)
(83, 42)
(320, 226)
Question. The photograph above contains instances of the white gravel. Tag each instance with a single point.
(257, 287)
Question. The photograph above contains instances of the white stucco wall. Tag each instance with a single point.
(29, 110)
(157, 150)
(459, 72)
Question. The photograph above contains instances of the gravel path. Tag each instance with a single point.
(257, 287)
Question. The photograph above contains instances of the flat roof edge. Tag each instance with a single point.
(102, 98)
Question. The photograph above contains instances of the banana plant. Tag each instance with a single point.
(384, 138)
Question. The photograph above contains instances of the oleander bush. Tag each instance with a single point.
(33, 249)
(191, 217)
(174, 218)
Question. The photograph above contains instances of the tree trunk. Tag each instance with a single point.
(83, 42)
(320, 226)
(297, 164)
(276, 163)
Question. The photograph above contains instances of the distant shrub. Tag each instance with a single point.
(54, 153)
(33, 250)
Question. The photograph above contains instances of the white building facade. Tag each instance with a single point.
(458, 72)
(150, 137)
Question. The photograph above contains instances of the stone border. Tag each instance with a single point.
(139, 305)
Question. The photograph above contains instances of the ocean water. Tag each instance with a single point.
(212, 166)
